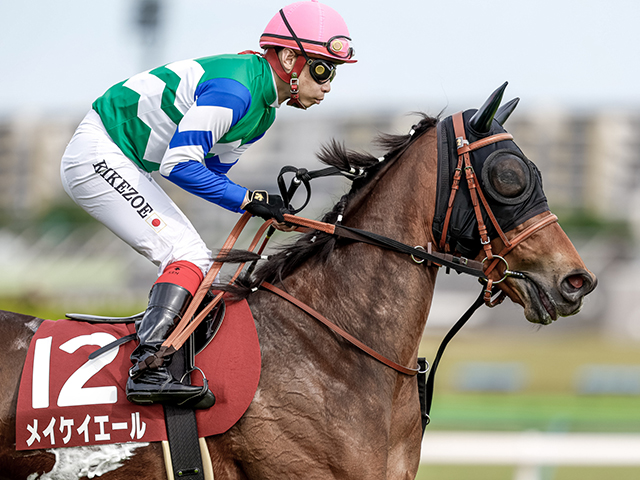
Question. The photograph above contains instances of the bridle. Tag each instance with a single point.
(478, 200)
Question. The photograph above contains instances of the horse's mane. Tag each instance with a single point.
(315, 245)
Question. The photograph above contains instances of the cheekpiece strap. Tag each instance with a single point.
(464, 163)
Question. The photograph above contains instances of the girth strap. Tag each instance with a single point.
(182, 430)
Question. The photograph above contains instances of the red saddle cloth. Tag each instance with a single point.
(67, 400)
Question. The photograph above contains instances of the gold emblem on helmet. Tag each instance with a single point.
(337, 45)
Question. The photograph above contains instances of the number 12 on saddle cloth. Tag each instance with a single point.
(67, 400)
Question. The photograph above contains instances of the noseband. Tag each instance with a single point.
(490, 261)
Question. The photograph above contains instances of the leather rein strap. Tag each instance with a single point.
(325, 321)
(187, 326)
(459, 264)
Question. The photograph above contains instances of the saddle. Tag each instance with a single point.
(200, 338)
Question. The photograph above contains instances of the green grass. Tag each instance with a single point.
(551, 361)
(54, 310)
(543, 412)
(470, 472)
(548, 399)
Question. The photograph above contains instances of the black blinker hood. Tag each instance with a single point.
(463, 236)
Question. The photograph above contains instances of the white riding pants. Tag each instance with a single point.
(115, 191)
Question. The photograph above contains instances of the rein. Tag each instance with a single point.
(459, 264)
(351, 339)
(186, 327)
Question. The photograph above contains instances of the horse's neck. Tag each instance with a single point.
(381, 296)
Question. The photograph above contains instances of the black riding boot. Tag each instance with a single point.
(167, 303)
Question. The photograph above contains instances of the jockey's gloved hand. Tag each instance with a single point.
(266, 206)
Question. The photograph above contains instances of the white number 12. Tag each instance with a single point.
(73, 392)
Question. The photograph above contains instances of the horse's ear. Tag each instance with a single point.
(506, 110)
(481, 120)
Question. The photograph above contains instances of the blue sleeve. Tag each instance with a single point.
(202, 126)
(197, 179)
(224, 92)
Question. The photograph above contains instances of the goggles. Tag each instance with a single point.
(321, 70)
(338, 46)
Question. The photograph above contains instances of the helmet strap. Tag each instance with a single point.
(291, 78)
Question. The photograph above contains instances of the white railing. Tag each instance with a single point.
(529, 451)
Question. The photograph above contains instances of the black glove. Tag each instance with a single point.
(265, 205)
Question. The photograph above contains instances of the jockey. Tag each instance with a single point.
(191, 120)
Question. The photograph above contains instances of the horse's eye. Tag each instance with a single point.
(507, 177)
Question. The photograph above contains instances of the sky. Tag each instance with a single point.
(56, 57)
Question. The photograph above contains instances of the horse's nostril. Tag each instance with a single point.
(576, 281)
(577, 285)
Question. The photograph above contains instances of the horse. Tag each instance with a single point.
(323, 409)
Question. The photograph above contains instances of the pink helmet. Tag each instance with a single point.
(320, 30)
